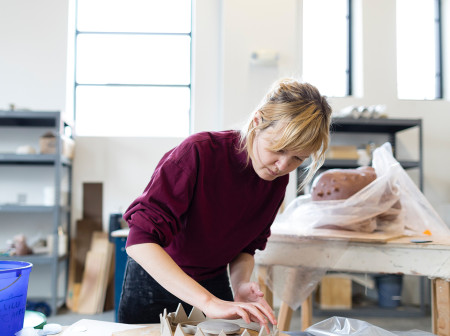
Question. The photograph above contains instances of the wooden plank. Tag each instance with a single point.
(144, 331)
(96, 275)
(93, 202)
(76, 296)
(335, 292)
(364, 237)
(89, 294)
(71, 276)
(433, 307)
(442, 307)
(105, 276)
(84, 232)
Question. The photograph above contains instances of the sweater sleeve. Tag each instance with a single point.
(154, 217)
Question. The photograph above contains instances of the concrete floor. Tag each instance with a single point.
(422, 323)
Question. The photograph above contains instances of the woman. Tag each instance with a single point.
(209, 205)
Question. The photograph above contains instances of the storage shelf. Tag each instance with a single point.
(373, 125)
(29, 119)
(15, 208)
(61, 168)
(32, 159)
(337, 163)
(36, 259)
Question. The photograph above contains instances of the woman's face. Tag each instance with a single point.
(269, 164)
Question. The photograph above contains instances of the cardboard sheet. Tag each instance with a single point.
(86, 327)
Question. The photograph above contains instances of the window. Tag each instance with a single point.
(419, 49)
(133, 67)
(327, 46)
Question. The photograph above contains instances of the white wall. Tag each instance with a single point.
(226, 87)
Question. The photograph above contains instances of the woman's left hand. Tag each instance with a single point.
(250, 292)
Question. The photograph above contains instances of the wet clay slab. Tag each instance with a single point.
(215, 327)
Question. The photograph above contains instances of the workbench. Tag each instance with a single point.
(398, 255)
(87, 327)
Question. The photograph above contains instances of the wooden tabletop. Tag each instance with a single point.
(393, 255)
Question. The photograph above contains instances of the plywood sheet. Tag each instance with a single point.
(93, 202)
(373, 237)
(87, 327)
(335, 292)
(95, 277)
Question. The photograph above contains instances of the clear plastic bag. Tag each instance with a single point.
(373, 208)
(347, 326)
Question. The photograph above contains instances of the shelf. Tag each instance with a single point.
(373, 125)
(29, 119)
(61, 168)
(36, 259)
(336, 163)
(15, 208)
(32, 159)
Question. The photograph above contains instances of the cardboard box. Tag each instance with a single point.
(47, 145)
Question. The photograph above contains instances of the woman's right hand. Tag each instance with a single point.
(248, 311)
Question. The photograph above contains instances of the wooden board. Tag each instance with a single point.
(96, 275)
(93, 202)
(335, 292)
(440, 307)
(372, 237)
(87, 327)
(152, 331)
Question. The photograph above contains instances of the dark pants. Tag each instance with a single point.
(143, 299)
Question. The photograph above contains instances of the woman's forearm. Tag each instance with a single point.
(169, 275)
(241, 269)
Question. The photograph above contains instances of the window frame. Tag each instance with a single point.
(75, 63)
(348, 81)
(438, 51)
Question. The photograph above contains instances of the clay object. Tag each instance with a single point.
(215, 327)
(20, 245)
(338, 184)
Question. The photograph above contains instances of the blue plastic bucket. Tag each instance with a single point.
(389, 288)
(14, 277)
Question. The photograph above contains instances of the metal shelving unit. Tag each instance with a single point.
(60, 213)
(390, 129)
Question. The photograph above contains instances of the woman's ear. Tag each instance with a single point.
(257, 119)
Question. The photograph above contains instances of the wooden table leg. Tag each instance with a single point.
(306, 312)
(262, 276)
(284, 317)
(440, 307)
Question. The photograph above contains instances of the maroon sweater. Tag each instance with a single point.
(204, 205)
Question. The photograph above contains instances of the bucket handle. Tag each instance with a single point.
(12, 283)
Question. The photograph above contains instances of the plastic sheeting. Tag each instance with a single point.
(373, 208)
(347, 326)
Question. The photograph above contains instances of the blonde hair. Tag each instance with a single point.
(305, 115)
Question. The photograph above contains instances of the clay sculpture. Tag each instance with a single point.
(338, 184)
(179, 324)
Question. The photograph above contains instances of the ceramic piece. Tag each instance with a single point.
(179, 331)
(216, 326)
(180, 315)
(196, 315)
